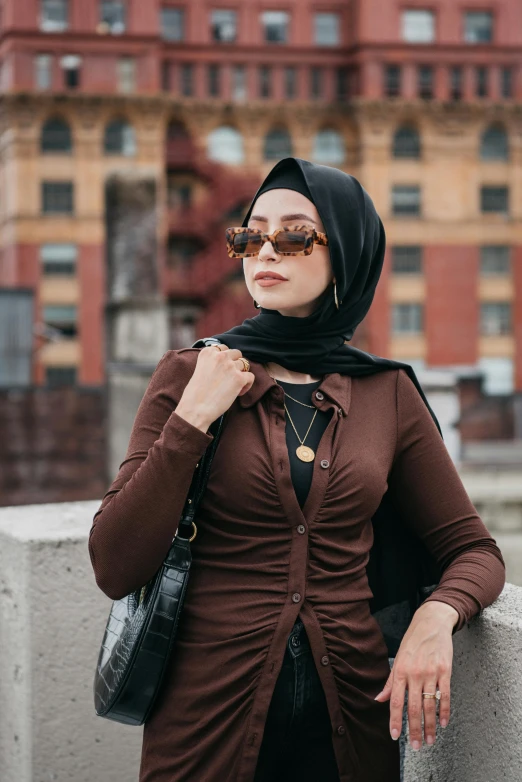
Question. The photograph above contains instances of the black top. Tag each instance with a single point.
(301, 472)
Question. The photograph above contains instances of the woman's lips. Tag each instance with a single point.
(269, 281)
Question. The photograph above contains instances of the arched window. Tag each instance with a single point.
(226, 145)
(494, 143)
(406, 142)
(119, 138)
(56, 136)
(278, 144)
(328, 146)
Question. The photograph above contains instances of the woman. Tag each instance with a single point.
(279, 667)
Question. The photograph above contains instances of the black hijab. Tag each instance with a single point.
(315, 344)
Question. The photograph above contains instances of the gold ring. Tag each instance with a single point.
(432, 695)
(246, 364)
(217, 346)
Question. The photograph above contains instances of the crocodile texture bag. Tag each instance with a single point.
(141, 627)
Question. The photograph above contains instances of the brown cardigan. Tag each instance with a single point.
(259, 560)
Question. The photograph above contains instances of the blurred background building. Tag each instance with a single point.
(133, 133)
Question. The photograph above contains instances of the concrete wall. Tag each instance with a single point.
(52, 618)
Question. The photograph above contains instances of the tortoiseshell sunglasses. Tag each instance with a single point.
(300, 240)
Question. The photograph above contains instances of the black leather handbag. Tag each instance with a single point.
(141, 628)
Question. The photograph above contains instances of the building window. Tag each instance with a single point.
(71, 70)
(165, 76)
(265, 81)
(495, 260)
(57, 198)
(392, 81)
(119, 138)
(43, 64)
(239, 83)
(406, 200)
(407, 318)
(56, 137)
(225, 144)
(425, 81)
(112, 16)
(456, 82)
(494, 143)
(327, 29)
(506, 82)
(478, 26)
(418, 26)
(341, 83)
(290, 82)
(223, 25)
(406, 143)
(187, 79)
(179, 196)
(277, 145)
(173, 24)
(126, 74)
(60, 376)
(53, 16)
(58, 259)
(494, 199)
(481, 81)
(213, 80)
(316, 82)
(328, 147)
(275, 24)
(495, 318)
(406, 259)
(62, 317)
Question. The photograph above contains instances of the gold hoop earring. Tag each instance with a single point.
(335, 295)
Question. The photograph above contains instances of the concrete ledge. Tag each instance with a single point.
(52, 618)
(482, 740)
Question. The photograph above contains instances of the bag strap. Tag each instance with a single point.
(202, 471)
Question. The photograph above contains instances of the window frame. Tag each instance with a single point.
(337, 17)
(418, 11)
(67, 195)
(164, 10)
(415, 189)
(282, 12)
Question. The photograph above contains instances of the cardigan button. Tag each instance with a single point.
(296, 597)
(325, 463)
(301, 529)
(319, 395)
(341, 730)
(325, 660)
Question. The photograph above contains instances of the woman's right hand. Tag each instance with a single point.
(218, 379)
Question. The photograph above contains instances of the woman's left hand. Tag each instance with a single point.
(423, 664)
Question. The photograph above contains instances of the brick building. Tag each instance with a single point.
(420, 101)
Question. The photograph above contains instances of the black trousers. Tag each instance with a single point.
(297, 742)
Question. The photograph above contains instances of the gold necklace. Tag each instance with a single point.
(304, 452)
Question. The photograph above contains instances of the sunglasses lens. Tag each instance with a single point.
(247, 242)
(292, 241)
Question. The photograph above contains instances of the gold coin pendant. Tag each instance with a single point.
(305, 453)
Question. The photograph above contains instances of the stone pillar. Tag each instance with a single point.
(136, 313)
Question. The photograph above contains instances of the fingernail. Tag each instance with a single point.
(377, 696)
(444, 722)
(416, 745)
(430, 739)
(395, 734)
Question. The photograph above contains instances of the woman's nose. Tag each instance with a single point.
(267, 251)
